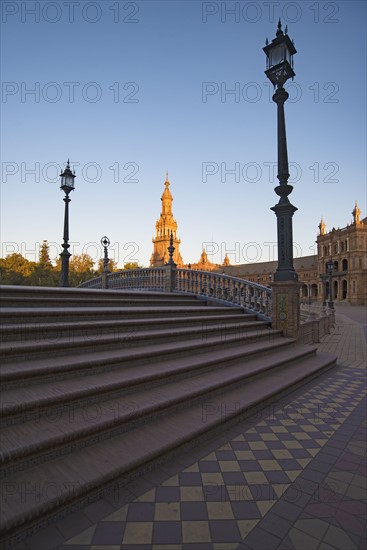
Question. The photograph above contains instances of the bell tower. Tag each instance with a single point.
(165, 225)
(322, 227)
(356, 214)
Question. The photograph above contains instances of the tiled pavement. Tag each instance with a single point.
(293, 476)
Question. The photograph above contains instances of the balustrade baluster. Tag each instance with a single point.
(261, 301)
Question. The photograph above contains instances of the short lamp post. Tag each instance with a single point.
(105, 242)
(170, 268)
(67, 185)
(279, 65)
(330, 269)
(171, 250)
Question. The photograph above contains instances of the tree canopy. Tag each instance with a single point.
(17, 270)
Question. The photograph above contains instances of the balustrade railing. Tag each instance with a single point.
(214, 286)
(225, 288)
(149, 279)
(92, 283)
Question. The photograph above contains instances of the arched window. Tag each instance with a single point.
(345, 265)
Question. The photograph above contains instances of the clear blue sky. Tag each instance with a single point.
(131, 89)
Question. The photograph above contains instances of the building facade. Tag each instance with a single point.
(347, 249)
(263, 274)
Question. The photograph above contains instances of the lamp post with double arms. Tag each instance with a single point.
(67, 185)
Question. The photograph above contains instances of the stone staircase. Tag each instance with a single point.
(99, 385)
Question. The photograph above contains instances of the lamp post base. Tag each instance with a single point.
(286, 307)
(64, 279)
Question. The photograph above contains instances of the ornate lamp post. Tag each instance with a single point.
(330, 269)
(171, 250)
(170, 268)
(279, 54)
(279, 68)
(67, 185)
(105, 242)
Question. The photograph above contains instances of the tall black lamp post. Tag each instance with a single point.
(279, 65)
(330, 269)
(67, 185)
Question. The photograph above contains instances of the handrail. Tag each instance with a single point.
(213, 286)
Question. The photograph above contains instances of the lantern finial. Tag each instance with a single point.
(279, 31)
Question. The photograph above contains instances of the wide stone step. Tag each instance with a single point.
(43, 490)
(34, 400)
(27, 372)
(122, 339)
(47, 331)
(41, 293)
(45, 436)
(64, 314)
(125, 301)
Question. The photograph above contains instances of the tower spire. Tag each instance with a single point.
(165, 232)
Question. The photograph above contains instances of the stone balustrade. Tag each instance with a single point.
(316, 321)
(213, 286)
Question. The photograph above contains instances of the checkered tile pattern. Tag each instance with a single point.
(227, 495)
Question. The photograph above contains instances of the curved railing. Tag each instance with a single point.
(213, 286)
(92, 283)
(227, 289)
